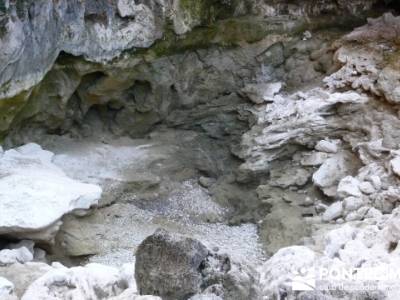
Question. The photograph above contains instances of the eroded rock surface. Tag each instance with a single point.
(177, 267)
(169, 265)
(362, 189)
(6, 289)
(92, 282)
(36, 194)
(35, 32)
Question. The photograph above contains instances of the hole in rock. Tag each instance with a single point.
(392, 246)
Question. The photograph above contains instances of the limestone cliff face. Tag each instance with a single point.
(34, 33)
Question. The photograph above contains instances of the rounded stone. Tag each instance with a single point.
(168, 266)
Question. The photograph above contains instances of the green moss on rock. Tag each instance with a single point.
(392, 59)
(194, 10)
(9, 108)
(226, 33)
(204, 12)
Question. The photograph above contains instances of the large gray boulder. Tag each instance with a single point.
(169, 265)
(176, 267)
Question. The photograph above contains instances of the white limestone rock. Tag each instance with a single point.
(395, 165)
(262, 92)
(358, 214)
(372, 243)
(205, 297)
(352, 203)
(130, 294)
(367, 188)
(279, 271)
(392, 231)
(333, 212)
(365, 66)
(24, 243)
(316, 158)
(337, 238)
(332, 171)
(128, 8)
(307, 35)
(298, 119)
(388, 83)
(94, 281)
(12, 256)
(6, 289)
(386, 200)
(344, 247)
(289, 177)
(340, 221)
(327, 146)
(376, 182)
(373, 213)
(22, 275)
(353, 252)
(349, 186)
(127, 273)
(271, 89)
(29, 180)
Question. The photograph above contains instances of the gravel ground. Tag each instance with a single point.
(178, 204)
